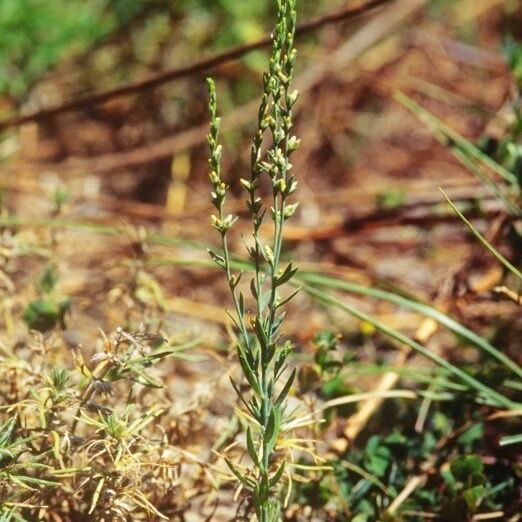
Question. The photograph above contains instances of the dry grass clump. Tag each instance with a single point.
(92, 437)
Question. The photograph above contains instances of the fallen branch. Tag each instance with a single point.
(189, 70)
(353, 48)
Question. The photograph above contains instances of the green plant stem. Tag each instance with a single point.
(261, 358)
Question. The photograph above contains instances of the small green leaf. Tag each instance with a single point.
(286, 389)
(48, 280)
(377, 456)
(466, 467)
(242, 478)
(277, 475)
(253, 288)
(41, 315)
(473, 497)
(247, 370)
(241, 303)
(272, 429)
(251, 447)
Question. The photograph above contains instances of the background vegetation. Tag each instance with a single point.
(116, 351)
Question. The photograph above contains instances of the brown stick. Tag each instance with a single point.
(356, 45)
(189, 70)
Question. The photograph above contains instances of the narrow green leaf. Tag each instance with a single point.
(251, 447)
(5, 432)
(247, 370)
(242, 478)
(270, 428)
(253, 288)
(37, 481)
(241, 304)
(487, 392)
(286, 389)
(277, 324)
(416, 306)
(287, 299)
(241, 398)
(268, 354)
(260, 333)
(287, 274)
(234, 320)
(511, 439)
(145, 379)
(219, 260)
(483, 240)
(277, 475)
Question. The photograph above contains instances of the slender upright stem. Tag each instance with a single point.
(262, 359)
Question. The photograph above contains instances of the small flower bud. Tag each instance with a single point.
(221, 189)
(214, 125)
(293, 143)
(214, 178)
(278, 135)
(292, 188)
(268, 254)
(228, 222)
(279, 159)
(215, 222)
(292, 98)
(280, 185)
(290, 210)
(245, 184)
(284, 79)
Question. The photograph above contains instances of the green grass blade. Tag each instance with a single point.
(491, 395)
(495, 188)
(97, 228)
(465, 152)
(399, 300)
(511, 439)
(311, 277)
(463, 144)
(483, 240)
(416, 306)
